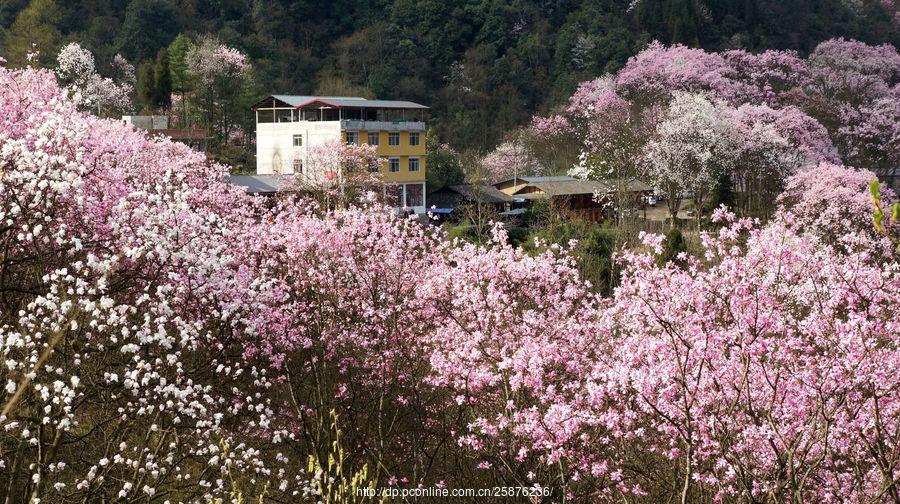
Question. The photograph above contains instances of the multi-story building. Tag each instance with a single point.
(287, 126)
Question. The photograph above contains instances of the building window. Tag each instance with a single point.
(374, 139)
(413, 139)
(352, 137)
(394, 165)
(414, 195)
(394, 139)
(298, 140)
(298, 166)
(413, 164)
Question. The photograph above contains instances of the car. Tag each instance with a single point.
(651, 200)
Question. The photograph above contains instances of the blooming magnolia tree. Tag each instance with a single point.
(218, 72)
(77, 73)
(853, 91)
(512, 158)
(612, 132)
(833, 203)
(125, 309)
(786, 114)
(690, 148)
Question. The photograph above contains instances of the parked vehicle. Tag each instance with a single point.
(651, 200)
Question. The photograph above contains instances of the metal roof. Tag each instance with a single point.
(259, 184)
(566, 187)
(529, 180)
(489, 194)
(551, 178)
(344, 101)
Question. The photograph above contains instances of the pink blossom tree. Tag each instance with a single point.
(612, 133)
(833, 203)
(769, 146)
(512, 158)
(853, 92)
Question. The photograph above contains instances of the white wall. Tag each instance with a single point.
(275, 149)
(147, 122)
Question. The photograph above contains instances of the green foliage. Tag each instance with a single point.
(724, 194)
(178, 49)
(458, 231)
(484, 66)
(147, 26)
(673, 245)
(35, 27)
(443, 164)
(162, 80)
(886, 224)
(592, 252)
(146, 84)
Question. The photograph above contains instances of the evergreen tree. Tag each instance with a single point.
(177, 52)
(36, 27)
(162, 80)
(723, 194)
(146, 85)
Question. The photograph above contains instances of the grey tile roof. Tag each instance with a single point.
(489, 194)
(566, 186)
(347, 101)
(259, 184)
(529, 180)
(455, 194)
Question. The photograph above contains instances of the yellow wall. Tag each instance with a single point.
(402, 151)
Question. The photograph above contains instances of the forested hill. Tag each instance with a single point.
(483, 65)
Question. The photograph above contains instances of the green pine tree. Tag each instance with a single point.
(146, 85)
(723, 194)
(162, 80)
(672, 246)
(178, 49)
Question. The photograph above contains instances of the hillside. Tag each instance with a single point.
(484, 66)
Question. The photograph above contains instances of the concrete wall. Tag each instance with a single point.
(147, 122)
(275, 151)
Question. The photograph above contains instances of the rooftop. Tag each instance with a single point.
(531, 180)
(296, 101)
(566, 186)
(455, 194)
(258, 184)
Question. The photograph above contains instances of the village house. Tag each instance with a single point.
(585, 199)
(287, 126)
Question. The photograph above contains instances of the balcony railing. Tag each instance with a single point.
(358, 125)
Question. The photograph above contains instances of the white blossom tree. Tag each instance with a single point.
(78, 74)
(691, 147)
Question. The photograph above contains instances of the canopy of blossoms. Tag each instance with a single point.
(165, 337)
